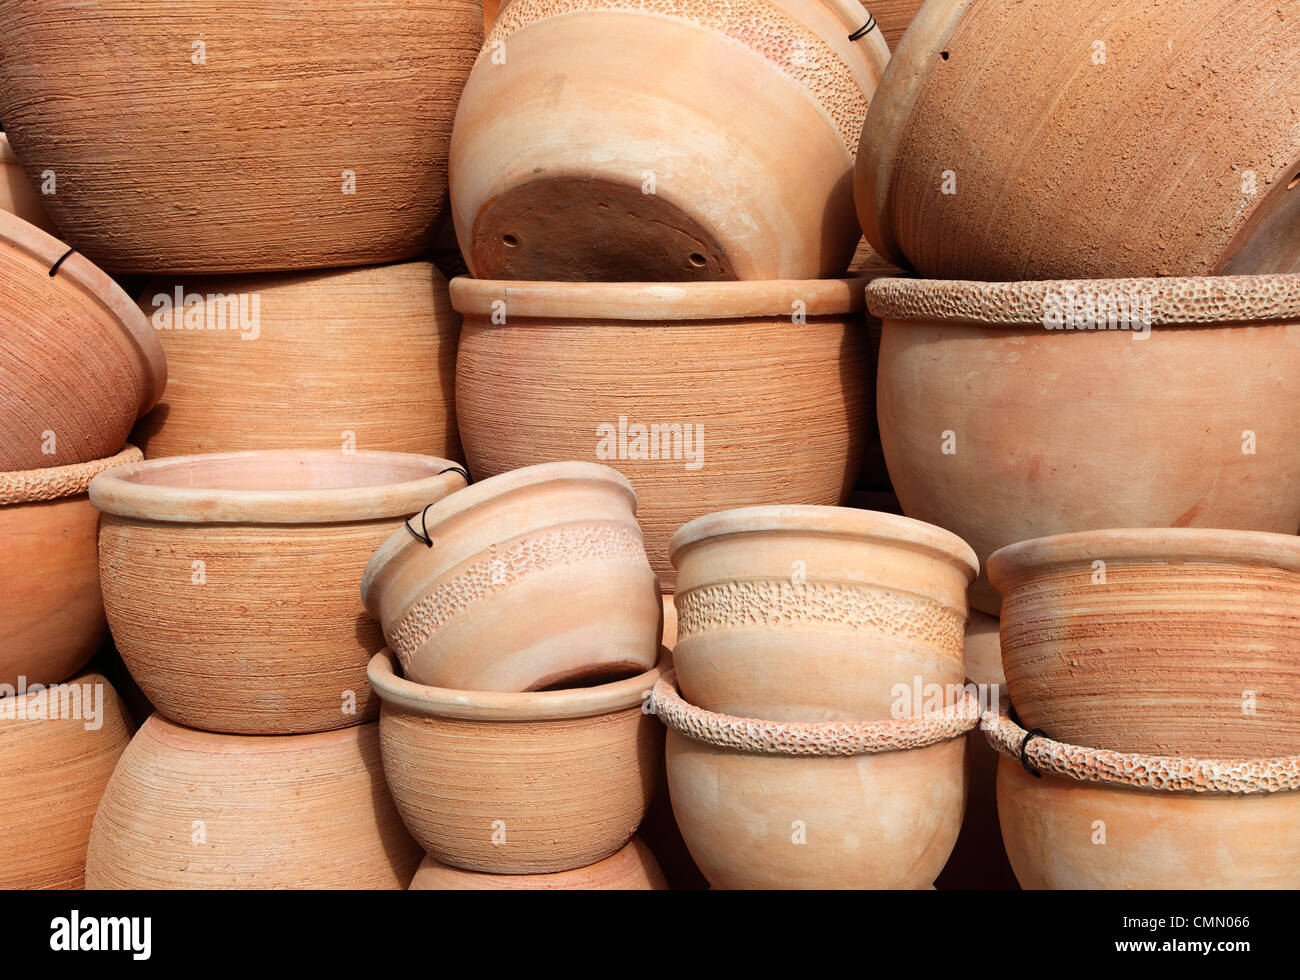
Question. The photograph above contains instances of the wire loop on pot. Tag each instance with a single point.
(55, 267)
(864, 30)
(1024, 757)
(423, 534)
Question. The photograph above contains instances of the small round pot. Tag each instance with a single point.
(1035, 189)
(1032, 440)
(531, 580)
(519, 783)
(49, 571)
(345, 359)
(688, 141)
(705, 395)
(1097, 819)
(856, 805)
(60, 317)
(1167, 641)
(190, 809)
(633, 868)
(813, 614)
(58, 748)
(230, 580)
(17, 195)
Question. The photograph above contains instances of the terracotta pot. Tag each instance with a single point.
(517, 783)
(190, 809)
(837, 805)
(17, 195)
(1103, 819)
(301, 367)
(1172, 641)
(894, 17)
(274, 168)
(58, 748)
(818, 614)
(230, 580)
(633, 868)
(688, 140)
(78, 360)
(1201, 383)
(670, 623)
(745, 407)
(1080, 116)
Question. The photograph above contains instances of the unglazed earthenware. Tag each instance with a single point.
(705, 395)
(1099, 819)
(519, 783)
(315, 131)
(78, 360)
(1005, 417)
(670, 622)
(58, 747)
(1099, 151)
(230, 580)
(647, 140)
(17, 195)
(1174, 641)
(359, 358)
(633, 868)
(813, 614)
(893, 17)
(531, 580)
(190, 809)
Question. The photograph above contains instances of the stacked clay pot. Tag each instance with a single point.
(17, 195)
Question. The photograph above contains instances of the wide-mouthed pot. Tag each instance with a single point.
(705, 395)
(190, 809)
(812, 614)
(17, 195)
(274, 167)
(1206, 182)
(687, 141)
(1099, 819)
(853, 805)
(531, 580)
(352, 359)
(78, 360)
(1019, 410)
(1169, 641)
(230, 580)
(58, 747)
(633, 868)
(519, 783)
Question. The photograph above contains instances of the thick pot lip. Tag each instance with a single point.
(656, 302)
(868, 525)
(117, 491)
(57, 482)
(495, 706)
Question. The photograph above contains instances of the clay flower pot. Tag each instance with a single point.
(705, 395)
(276, 166)
(838, 805)
(812, 614)
(1170, 642)
(230, 580)
(49, 571)
(78, 360)
(1187, 414)
(1101, 819)
(1096, 151)
(633, 868)
(359, 358)
(531, 580)
(190, 809)
(57, 751)
(519, 783)
(17, 195)
(687, 141)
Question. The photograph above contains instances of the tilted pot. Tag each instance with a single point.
(705, 395)
(274, 168)
(812, 614)
(230, 580)
(1099, 150)
(633, 868)
(519, 783)
(1005, 417)
(355, 358)
(17, 195)
(645, 140)
(78, 360)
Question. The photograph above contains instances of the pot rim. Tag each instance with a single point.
(868, 525)
(116, 492)
(655, 302)
(55, 482)
(507, 706)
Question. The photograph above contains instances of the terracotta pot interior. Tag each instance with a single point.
(286, 471)
(589, 677)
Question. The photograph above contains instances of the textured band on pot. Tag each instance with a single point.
(31, 486)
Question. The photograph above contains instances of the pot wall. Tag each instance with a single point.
(17, 195)
(633, 868)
